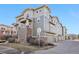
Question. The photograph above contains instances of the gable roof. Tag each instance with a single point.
(34, 9)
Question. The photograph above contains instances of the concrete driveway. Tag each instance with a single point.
(64, 47)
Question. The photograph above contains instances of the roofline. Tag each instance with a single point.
(42, 7)
(4, 25)
(33, 10)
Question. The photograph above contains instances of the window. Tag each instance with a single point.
(36, 11)
(18, 27)
(14, 31)
(40, 10)
(53, 21)
(27, 15)
(38, 20)
(2, 28)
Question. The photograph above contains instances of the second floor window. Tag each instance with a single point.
(27, 15)
(40, 10)
(36, 11)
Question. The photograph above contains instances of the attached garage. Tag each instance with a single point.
(51, 37)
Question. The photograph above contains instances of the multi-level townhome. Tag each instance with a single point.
(56, 29)
(64, 33)
(13, 30)
(72, 36)
(7, 30)
(32, 19)
(4, 29)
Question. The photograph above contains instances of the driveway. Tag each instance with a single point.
(64, 47)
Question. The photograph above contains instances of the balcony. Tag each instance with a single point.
(51, 23)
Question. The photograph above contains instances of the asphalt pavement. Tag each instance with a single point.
(8, 50)
(63, 47)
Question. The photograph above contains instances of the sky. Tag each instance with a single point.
(68, 14)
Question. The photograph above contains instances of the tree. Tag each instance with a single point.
(78, 36)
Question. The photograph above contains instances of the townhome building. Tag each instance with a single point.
(33, 18)
(7, 30)
(4, 29)
(72, 36)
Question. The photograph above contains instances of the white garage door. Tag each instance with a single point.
(51, 38)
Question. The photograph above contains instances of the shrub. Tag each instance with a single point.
(29, 39)
(11, 40)
(35, 41)
(17, 41)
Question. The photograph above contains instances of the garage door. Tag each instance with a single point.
(51, 38)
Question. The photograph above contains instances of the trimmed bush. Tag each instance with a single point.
(17, 41)
(35, 41)
(11, 40)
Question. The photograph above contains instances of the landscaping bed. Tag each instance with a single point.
(25, 47)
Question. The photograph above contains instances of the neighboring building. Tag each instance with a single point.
(7, 30)
(64, 32)
(4, 29)
(13, 30)
(72, 36)
(39, 18)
